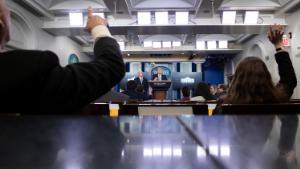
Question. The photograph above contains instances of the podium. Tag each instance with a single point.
(160, 88)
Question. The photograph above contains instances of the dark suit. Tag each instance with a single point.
(35, 82)
(112, 96)
(134, 95)
(163, 77)
(144, 83)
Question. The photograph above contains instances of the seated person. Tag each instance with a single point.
(212, 89)
(159, 76)
(113, 96)
(131, 91)
(252, 84)
(186, 94)
(44, 86)
(140, 89)
(221, 91)
(203, 93)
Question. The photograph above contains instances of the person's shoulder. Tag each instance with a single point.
(32, 54)
(197, 98)
(106, 41)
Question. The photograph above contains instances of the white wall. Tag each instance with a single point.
(36, 38)
(294, 26)
(260, 47)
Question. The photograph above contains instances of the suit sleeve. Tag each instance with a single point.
(70, 88)
(288, 80)
(287, 83)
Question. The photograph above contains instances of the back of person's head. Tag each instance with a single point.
(131, 85)
(222, 88)
(252, 83)
(185, 91)
(140, 88)
(203, 90)
(4, 24)
(212, 89)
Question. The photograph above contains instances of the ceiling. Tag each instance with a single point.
(204, 20)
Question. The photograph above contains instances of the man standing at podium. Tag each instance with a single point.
(141, 80)
(159, 76)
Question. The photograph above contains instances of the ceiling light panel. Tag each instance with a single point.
(148, 44)
(76, 19)
(144, 18)
(156, 45)
(211, 45)
(176, 44)
(228, 17)
(251, 17)
(182, 18)
(167, 44)
(200, 45)
(223, 44)
(161, 18)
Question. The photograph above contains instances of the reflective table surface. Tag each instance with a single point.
(143, 142)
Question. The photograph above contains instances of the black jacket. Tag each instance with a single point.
(134, 95)
(35, 82)
(145, 83)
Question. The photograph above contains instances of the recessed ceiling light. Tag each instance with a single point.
(148, 44)
(161, 18)
(176, 44)
(182, 18)
(228, 17)
(167, 44)
(144, 18)
(156, 44)
(76, 19)
(200, 45)
(223, 44)
(211, 44)
(251, 17)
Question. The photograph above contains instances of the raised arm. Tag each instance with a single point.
(287, 84)
(288, 80)
(70, 88)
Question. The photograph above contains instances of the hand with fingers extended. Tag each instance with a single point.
(275, 35)
(94, 21)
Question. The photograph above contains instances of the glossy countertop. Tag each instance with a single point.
(141, 142)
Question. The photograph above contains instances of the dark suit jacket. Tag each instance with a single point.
(35, 82)
(163, 77)
(145, 83)
(112, 96)
(134, 95)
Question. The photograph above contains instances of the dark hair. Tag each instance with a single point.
(252, 84)
(185, 91)
(140, 88)
(222, 86)
(131, 85)
(203, 90)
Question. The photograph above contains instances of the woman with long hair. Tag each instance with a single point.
(203, 93)
(252, 84)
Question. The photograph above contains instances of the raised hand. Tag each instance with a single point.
(94, 21)
(275, 34)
